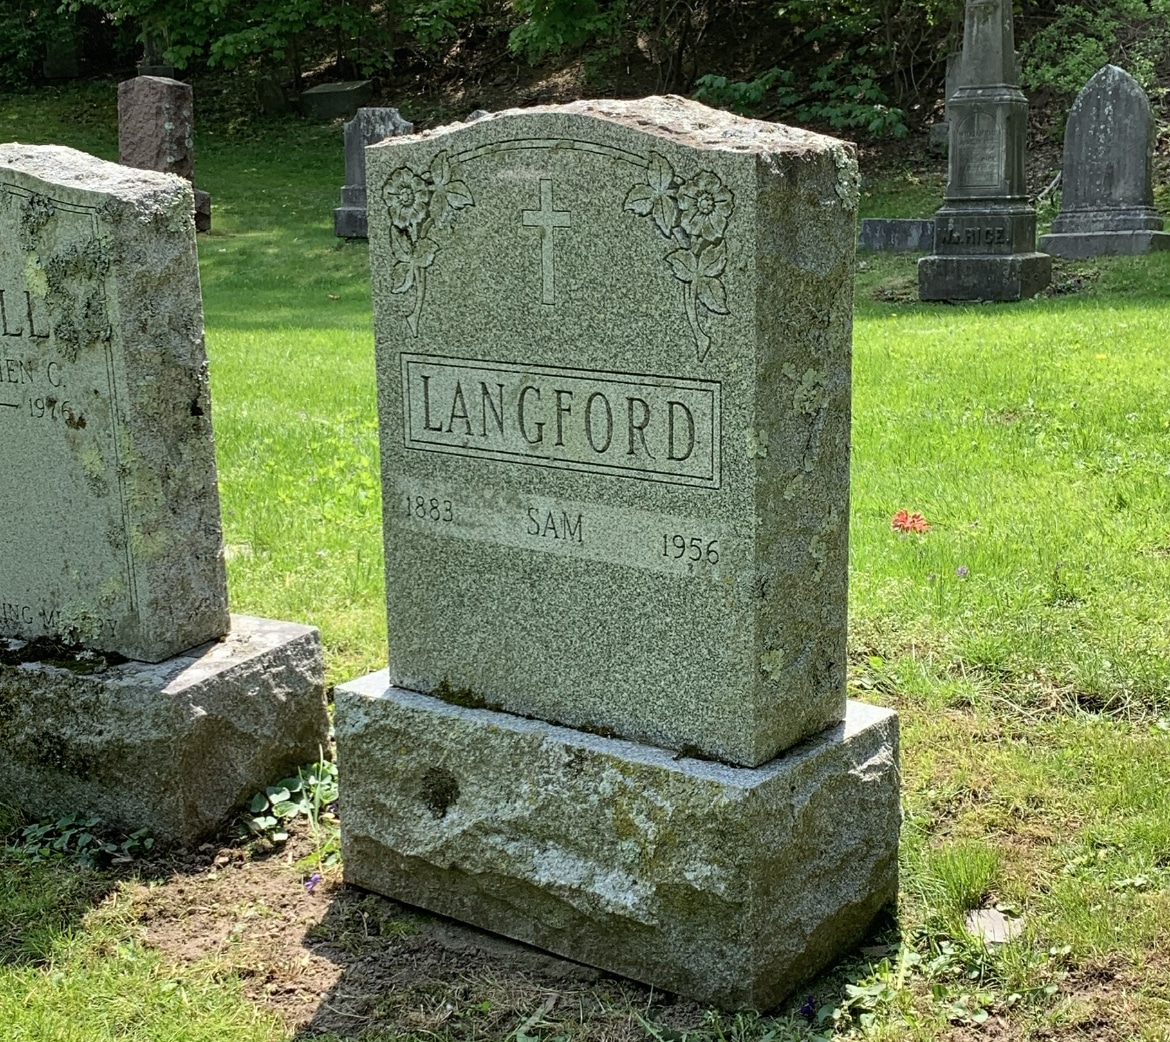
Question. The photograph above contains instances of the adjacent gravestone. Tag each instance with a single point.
(366, 128)
(330, 100)
(156, 131)
(613, 346)
(985, 233)
(939, 133)
(1107, 193)
(112, 523)
(896, 235)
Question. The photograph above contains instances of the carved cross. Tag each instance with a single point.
(546, 219)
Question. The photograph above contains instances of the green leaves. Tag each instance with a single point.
(311, 794)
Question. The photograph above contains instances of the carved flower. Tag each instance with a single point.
(705, 205)
(407, 199)
(656, 198)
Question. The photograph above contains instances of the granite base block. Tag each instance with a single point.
(173, 746)
(1013, 276)
(349, 222)
(729, 885)
(1082, 245)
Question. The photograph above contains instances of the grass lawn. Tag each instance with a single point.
(1023, 639)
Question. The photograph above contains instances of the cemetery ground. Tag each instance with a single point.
(1018, 624)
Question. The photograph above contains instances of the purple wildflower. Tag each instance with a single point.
(809, 1009)
(962, 571)
(312, 881)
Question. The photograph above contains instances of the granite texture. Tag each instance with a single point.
(613, 352)
(172, 747)
(985, 232)
(1107, 192)
(368, 127)
(896, 235)
(727, 885)
(112, 524)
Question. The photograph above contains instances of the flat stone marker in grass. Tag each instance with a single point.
(985, 233)
(1107, 189)
(613, 353)
(111, 519)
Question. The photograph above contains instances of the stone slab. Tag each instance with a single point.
(330, 100)
(613, 353)
(727, 885)
(156, 125)
(111, 508)
(367, 127)
(896, 235)
(174, 746)
(999, 278)
(1082, 245)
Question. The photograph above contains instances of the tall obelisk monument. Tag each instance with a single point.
(985, 233)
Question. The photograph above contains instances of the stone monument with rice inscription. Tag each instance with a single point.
(613, 353)
(985, 232)
(1107, 185)
(126, 690)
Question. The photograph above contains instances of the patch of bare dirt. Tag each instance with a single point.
(326, 958)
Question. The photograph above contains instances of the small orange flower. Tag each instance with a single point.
(904, 521)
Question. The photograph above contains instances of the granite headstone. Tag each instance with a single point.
(985, 233)
(368, 127)
(613, 354)
(1107, 191)
(330, 100)
(156, 131)
(112, 523)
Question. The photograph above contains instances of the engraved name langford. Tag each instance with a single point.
(654, 428)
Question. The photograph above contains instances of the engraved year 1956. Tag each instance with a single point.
(429, 508)
(692, 548)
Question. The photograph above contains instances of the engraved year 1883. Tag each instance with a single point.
(424, 508)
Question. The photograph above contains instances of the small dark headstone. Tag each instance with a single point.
(368, 127)
(896, 235)
(154, 44)
(270, 97)
(940, 131)
(61, 58)
(330, 100)
(985, 233)
(156, 131)
(1107, 195)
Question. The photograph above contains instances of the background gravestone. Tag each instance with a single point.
(985, 233)
(366, 128)
(156, 131)
(330, 100)
(613, 346)
(111, 521)
(1107, 192)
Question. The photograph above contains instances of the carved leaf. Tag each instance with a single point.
(459, 195)
(712, 295)
(665, 213)
(683, 265)
(712, 259)
(400, 245)
(441, 168)
(660, 173)
(639, 199)
(403, 274)
(424, 253)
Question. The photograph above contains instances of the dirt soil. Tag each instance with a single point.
(327, 958)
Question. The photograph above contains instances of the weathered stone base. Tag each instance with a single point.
(173, 746)
(202, 211)
(349, 222)
(730, 885)
(1082, 245)
(1012, 276)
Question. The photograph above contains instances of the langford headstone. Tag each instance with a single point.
(366, 128)
(613, 346)
(1107, 192)
(111, 520)
(985, 233)
(156, 131)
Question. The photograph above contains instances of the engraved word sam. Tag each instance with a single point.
(655, 428)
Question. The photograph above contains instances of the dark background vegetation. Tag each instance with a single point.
(860, 68)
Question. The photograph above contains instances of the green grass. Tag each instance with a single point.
(1023, 639)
